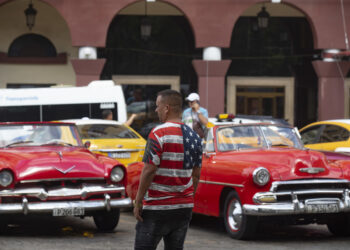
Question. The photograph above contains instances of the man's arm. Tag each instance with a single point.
(202, 119)
(147, 175)
(196, 172)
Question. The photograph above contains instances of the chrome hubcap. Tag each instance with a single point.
(234, 215)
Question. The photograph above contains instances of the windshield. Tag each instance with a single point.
(105, 131)
(256, 136)
(38, 134)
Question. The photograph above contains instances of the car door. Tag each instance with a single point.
(201, 197)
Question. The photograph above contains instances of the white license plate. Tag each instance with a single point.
(322, 208)
(123, 155)
(70, 211)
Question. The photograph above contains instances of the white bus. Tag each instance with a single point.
(58, 103)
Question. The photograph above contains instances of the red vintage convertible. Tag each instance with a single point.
(45, 169)
(258, 172)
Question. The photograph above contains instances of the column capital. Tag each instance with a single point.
(87, 70)
(211, 68)
(331, 69)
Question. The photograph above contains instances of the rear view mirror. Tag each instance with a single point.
(87, 144)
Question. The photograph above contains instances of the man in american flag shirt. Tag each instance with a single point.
(172, 162)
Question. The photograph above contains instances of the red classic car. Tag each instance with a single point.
(45, 169)
(258, 173)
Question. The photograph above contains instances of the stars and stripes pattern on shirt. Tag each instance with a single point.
(175, 149)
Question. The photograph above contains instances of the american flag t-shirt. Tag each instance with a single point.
(191, 143)
(175, 149)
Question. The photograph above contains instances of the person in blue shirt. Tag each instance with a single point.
(195, 117)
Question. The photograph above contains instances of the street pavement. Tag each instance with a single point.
(45, 233)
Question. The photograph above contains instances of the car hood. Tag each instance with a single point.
(117, 144)
(287, 164)
(33, 163)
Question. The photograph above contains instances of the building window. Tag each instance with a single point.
(32, 45)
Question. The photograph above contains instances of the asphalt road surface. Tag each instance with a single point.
(44, 233)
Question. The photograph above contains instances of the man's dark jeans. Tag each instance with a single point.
(171, 225)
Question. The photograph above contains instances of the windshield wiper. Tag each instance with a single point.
(17, 142)
(57, 142)
(280, 145)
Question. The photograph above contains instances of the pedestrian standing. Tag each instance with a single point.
(195, 116)
(169, 179)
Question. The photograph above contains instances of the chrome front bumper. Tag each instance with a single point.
(308, 206)
(61, 198)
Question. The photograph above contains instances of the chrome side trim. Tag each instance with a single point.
(48, 207)
(64, 179)
(221, 183)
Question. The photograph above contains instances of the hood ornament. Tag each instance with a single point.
(312, 170)
(65, 171)
(60, 154)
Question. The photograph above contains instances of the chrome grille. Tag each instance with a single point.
(309, 189)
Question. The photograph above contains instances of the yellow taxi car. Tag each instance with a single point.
(111, 138)
(330, 135)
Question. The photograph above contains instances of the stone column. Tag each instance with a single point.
(87, 70)
(331, 88)
(211, 73)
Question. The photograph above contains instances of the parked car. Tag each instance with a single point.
(331, 135)
(111, 138)
(257, 173)
(45, 169)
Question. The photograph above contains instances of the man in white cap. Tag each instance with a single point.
(195, 117)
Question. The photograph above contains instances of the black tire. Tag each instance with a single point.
(238, 225)
(340, 225)
(106, 221)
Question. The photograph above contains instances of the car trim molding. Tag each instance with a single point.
(311, 170)
(222, 183)
(63, 179)
(64, 171)
(63, 192)
(116, 150)
(47, 207)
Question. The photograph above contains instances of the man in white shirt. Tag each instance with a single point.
(195, 117)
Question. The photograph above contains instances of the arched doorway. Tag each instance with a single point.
(281, 52)
(146, 64)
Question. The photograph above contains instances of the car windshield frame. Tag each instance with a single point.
(259, 139)
(39, 134)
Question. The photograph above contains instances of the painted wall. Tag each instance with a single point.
(50, 24)
(209, 30)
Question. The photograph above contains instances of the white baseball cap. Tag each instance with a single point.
(192, 97)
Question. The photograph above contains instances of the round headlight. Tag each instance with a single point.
(261, 176)
(117, 174)
(6, 178)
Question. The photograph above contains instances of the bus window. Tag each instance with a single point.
(19, 113)
(97, 109)
(76, 111)
(67, 111)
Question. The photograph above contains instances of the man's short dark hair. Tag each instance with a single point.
(173, 98)
(106, 113)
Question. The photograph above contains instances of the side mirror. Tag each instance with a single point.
(87, 144)
(209, 154)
